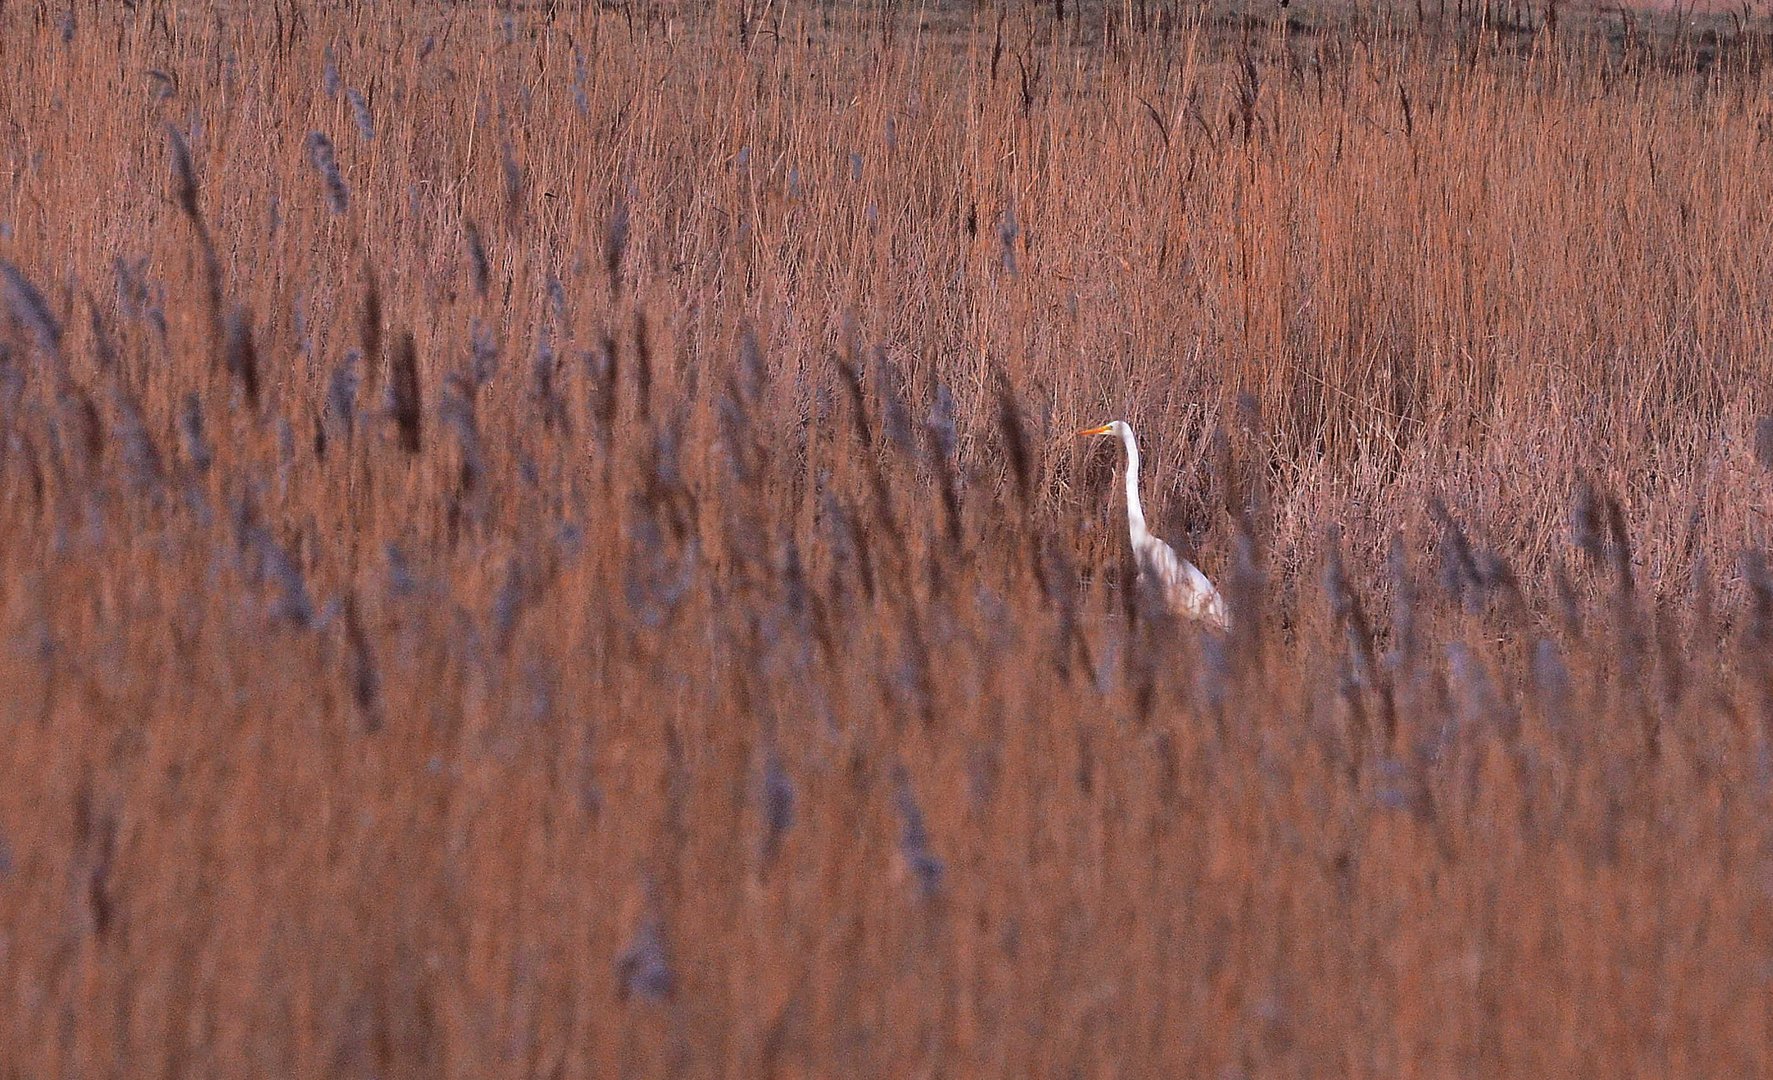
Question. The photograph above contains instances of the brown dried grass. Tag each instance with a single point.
(594, 581)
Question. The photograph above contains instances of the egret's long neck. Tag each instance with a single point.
(1135, 512)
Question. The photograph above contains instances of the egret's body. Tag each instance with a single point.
(1185, 591)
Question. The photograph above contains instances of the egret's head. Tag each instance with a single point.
(1113, 427)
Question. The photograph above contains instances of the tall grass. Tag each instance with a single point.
(545, 544)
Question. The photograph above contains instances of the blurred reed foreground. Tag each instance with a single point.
(548, 544)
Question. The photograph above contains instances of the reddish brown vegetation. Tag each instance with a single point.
(549, 546)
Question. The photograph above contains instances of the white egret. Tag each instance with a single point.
(1184, 589)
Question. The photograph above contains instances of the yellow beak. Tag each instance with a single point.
(1103, 430)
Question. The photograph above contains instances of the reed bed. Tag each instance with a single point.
(544, 542)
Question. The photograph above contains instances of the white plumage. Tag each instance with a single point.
(1184, 590)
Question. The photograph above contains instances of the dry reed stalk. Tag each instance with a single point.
(403, 393)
